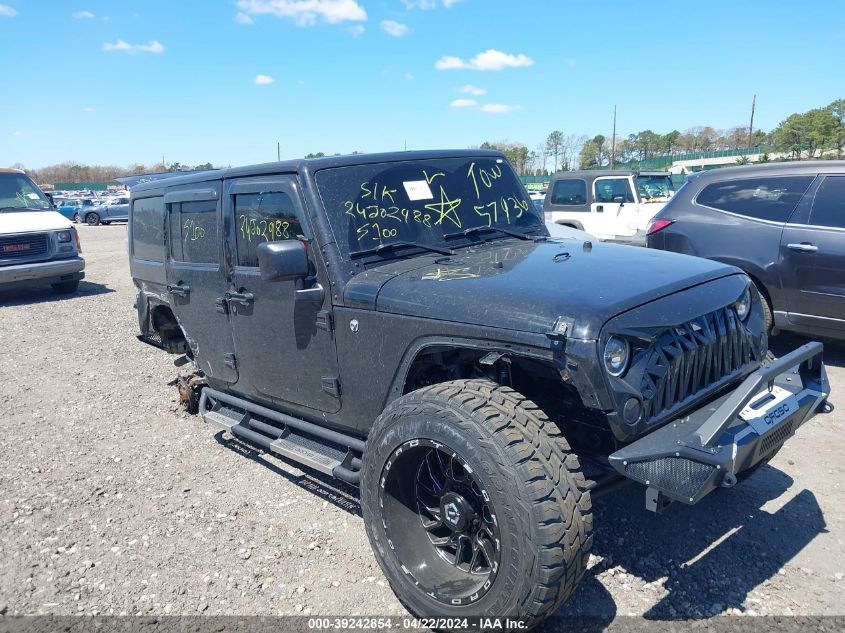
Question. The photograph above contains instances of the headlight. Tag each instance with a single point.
(616, 355)
(743, 304)
(63, 236)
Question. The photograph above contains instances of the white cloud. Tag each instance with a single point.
(425, 5)
(409, 76)
(243, 18)
(469, 89)
(499, 108)
(394, 28)
(82, 15)
(464, 103)
(263, 80)
(7, 12)
(88, 109)
(356, 30)
(491, 59)
(153, 46)
(306, 12)
(420, 4)
(570, 62)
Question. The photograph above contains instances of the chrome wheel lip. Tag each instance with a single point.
(486, 516)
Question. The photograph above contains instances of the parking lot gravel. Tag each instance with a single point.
(113, 500)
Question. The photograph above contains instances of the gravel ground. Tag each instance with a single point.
(114, 501)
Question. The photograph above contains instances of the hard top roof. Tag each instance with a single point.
(314, 164)
(772, 169)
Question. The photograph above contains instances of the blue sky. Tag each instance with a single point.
(107, 82)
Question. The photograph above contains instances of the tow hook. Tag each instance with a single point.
(729, 481)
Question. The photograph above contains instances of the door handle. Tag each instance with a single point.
(179, 291)
(600, 209)
(243, 298)
(803, 247)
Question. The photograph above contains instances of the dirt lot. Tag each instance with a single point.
(113, 500)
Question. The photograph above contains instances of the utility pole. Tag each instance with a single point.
(278, 151)
(751, 124)
(613, 141)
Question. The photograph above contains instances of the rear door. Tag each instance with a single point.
(196, 277)
(282, 329)
(816, 252)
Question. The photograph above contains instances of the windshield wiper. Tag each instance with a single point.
(394, 245)
(484, 229)
(2, 209)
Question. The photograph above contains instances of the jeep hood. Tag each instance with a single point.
(27, 221)
(526, 286)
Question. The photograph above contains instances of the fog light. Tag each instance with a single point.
(616, 353)
(632, 411)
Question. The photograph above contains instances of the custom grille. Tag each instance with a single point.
(680, 476)
(23, 246)
(687, 359)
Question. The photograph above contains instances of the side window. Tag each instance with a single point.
(570, 192)
(772, 199)
(148, 229)
(612, 189)
(193, 232)
(829, 203)
(263, 217)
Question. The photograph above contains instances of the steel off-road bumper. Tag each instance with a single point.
(690, 457)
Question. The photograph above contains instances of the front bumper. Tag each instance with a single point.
(53, 271)
(690, 457)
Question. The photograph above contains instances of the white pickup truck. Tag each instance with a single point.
(38, 246)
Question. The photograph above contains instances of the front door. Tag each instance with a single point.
(614, 209)
(196, 279)
(282, 329)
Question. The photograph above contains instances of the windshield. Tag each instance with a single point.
(424, 203)
(655, 187)
(18, 192)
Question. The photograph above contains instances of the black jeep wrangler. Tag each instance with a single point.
(405, 323)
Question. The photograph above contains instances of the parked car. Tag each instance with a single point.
(38, 246)
(782, 223)
(70, 208)
(113, 210)
(615, 205)
(404, 322)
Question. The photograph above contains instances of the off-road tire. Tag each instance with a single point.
(535, 482)
(65, 287)
(92, 219)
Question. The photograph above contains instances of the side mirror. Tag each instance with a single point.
(50, 198)
(283, 261)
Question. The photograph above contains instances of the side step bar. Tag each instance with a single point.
(322, 449)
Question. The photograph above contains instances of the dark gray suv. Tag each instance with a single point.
(783, 224)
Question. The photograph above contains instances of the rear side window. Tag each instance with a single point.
(263, 217)
(772, 199)
(193, 232)
(829, 203)
(148, 229)
(570, 192)
(613, 190)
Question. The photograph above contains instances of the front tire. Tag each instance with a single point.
(92, 219)
(472, 462)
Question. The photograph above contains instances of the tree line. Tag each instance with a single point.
(817, 133)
